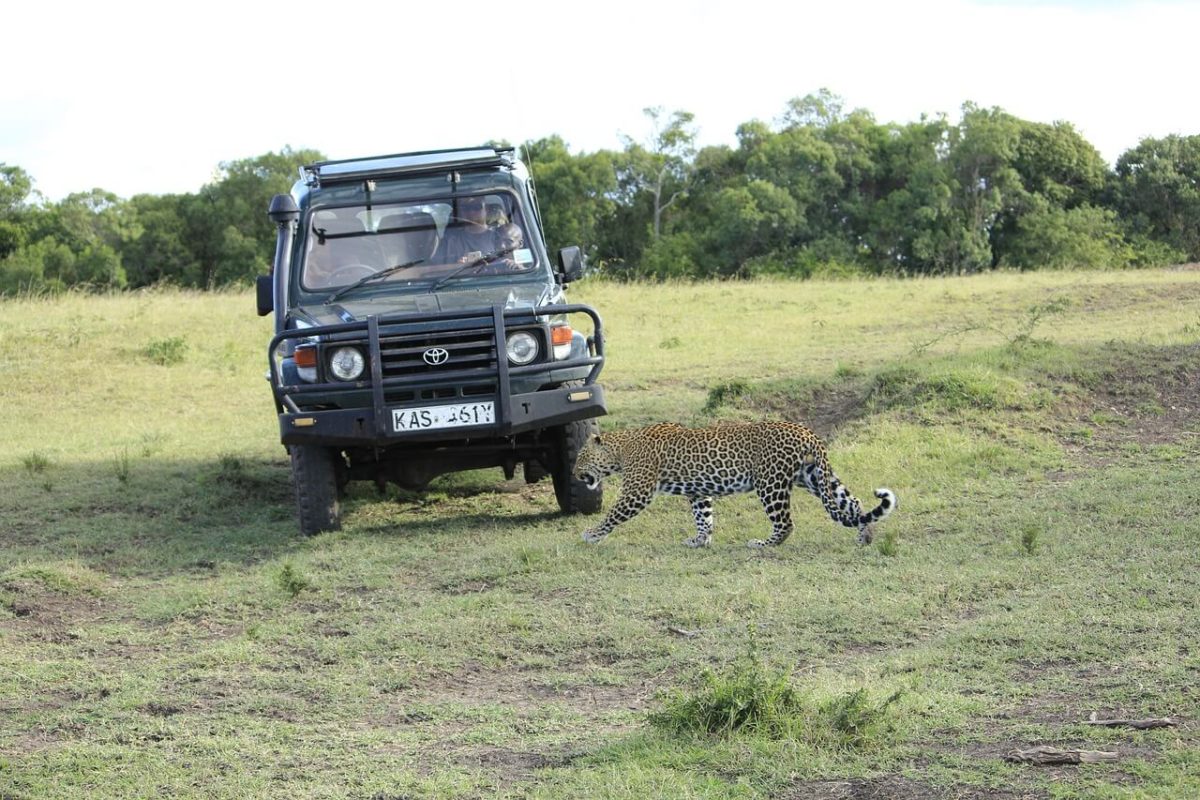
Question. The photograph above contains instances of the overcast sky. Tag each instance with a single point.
(137, 98)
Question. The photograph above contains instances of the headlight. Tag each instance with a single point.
(522, 348)
(347, 363)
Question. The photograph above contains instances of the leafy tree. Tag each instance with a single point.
(983, 150)
(161, 251)
(239, 199)
(912, 218)
(752, 221)
(1156, 191)
(96, 217)
(663, 166)
(575, 193)
(15, 188)
(818, 110)
(1056, 162)
(1050, 236)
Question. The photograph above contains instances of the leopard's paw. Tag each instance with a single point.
(698, 541)
(756, 544)
(865, 535)
(591, 536)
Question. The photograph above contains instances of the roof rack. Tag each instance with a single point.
(356, 169)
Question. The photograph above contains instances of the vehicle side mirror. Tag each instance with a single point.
(570, 263)
(264, 287)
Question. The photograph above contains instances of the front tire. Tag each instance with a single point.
(315, 473)
(574, 497)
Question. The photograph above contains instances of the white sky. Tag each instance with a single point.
(134, 97)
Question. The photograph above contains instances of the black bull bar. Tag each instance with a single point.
(372, 425)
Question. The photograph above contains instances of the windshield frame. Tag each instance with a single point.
(528, 265)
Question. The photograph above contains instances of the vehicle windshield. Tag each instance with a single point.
(419, 244)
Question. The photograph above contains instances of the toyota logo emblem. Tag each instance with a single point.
(436, 356)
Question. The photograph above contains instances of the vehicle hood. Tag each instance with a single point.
(355, 309)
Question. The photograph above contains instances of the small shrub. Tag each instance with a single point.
(291, 581)
(853, 720)
(167, 352)
(723, 394)
(1034, 316)
(750, 698)
(747, 697)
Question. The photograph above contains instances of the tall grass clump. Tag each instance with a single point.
(747, 697)
(35, 463)
(167, 352)
(751, 698)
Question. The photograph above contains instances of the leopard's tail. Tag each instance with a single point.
(887, 502)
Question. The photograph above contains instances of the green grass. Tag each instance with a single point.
(165, 631)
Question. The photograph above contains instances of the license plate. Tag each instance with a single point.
(452, 416)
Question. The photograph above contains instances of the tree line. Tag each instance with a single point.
(820, 191)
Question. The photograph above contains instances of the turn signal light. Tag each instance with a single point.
(306, 356)
(561, 335)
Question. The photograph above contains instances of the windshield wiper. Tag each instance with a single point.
(483, 259)
(374, 276)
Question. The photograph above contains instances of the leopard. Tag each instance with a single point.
(768, 457)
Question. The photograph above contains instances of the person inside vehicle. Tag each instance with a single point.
(509, 239)
(468, 236)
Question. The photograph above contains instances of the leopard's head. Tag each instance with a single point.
(597, 460)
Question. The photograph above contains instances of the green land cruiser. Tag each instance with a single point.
(421, 329)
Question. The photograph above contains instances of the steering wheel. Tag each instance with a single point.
(348, 273)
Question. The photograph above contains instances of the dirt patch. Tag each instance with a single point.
(897, 788)
(50, 616)
(1147, 397)
(824, 408)
(532, 691)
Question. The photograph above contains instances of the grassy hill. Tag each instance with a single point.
(165, 631)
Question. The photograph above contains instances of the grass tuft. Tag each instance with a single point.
(1031, 534)
(889, 543)
(35, 463)
(122, 466)
(167, 352)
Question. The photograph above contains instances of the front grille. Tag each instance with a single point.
(468, 348)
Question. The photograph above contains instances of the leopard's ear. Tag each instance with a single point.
(596, 438)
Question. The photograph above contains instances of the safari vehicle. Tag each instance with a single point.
(421, 329)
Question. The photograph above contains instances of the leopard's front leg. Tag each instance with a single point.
(635, 495)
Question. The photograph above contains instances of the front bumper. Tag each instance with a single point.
(362, 427)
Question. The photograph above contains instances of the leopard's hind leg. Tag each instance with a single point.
(702, 511)
(776, 498)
